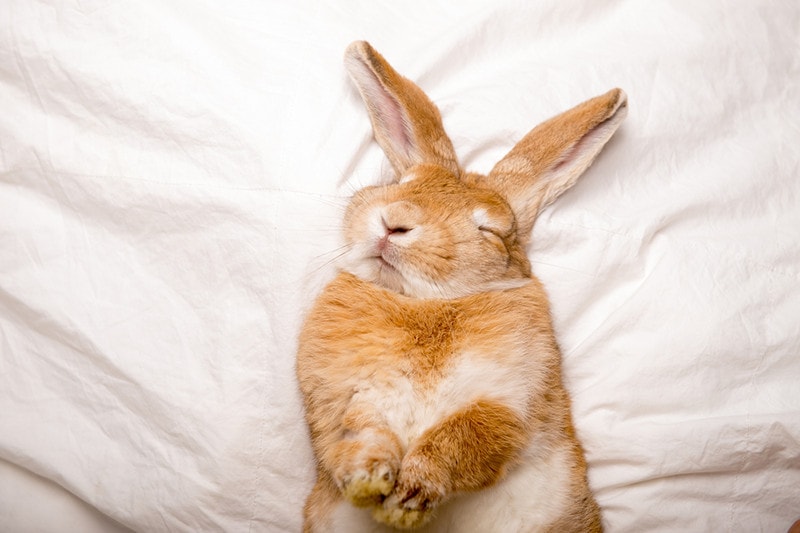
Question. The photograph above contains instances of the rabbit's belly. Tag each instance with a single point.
(533, 496)
(409, 406)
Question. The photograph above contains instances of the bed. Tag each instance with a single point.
(172, 175)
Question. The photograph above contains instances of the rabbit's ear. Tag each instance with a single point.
(406, 124)
(549, 159)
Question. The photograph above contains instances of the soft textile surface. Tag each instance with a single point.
(171, 179)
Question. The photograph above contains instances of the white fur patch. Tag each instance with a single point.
(476, 377)
(395, 400)
(376, 228)
(481, 218)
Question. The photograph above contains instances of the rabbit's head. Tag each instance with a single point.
(440, 232)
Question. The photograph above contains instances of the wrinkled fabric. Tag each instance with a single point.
(172, 175)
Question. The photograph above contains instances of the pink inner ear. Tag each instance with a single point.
(386, 110)
(586, 147)
(394, 121)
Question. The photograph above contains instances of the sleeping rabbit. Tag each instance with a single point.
(430, 372)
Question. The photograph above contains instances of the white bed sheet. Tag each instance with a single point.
(171, 179)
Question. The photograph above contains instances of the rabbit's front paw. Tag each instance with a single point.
(366, 472)
(420, 488)
(368, 485)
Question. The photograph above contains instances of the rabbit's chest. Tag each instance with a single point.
(426, 375)
(415, 363)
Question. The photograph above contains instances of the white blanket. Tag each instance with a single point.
(172, 175)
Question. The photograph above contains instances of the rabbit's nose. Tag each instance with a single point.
(399, 218)
(395, 230)
(394, 233)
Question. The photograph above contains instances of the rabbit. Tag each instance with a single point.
(429, 369)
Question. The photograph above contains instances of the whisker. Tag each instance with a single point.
(340, 252)
(333, 203)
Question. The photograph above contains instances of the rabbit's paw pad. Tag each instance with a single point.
(369, 486)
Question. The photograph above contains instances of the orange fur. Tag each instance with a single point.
(428, 366)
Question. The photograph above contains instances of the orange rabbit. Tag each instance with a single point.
(429, 368)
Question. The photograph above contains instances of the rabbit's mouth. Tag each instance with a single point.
(387, 275)
(388, 254)
(388, 268)
(384, 264)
